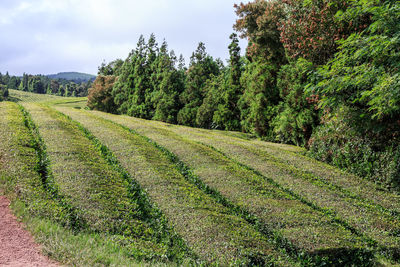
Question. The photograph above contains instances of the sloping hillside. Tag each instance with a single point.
(148, 192)
(73, 76)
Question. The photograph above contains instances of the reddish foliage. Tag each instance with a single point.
(258, 23)
(303, 30)
(100, 97)
(310, 31)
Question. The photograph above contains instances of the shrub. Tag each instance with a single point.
(298, 113)
(100, 97)
(339, 143)
(3, 92)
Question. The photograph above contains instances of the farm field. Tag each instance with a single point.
(141, 192)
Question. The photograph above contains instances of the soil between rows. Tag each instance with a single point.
(17, 247)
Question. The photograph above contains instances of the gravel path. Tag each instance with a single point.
(17, 247)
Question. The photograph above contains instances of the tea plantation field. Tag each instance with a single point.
(98, 189)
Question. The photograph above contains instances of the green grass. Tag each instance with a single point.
(20, 164)
(18, 96)
(278, 214)
(99, 194)
(373, 212)
(30, 201)
(370, 221)
(73, 248)
(149, 190)
(348, 184)
(208, 227)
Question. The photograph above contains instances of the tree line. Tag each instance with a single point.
(316, 73)
(42, 84)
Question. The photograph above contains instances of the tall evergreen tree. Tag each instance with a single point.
(201, 67)
(228, 114)
(170, 84)
(6, 78)
(258, 103)
(126, 88)
(215, 86)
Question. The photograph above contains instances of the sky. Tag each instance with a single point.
(51, 36)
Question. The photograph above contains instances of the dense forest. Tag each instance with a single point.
(316, 73)
(42, 84)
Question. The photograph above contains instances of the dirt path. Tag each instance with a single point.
(17, 247)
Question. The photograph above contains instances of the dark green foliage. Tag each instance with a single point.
(148, 83)
(338, 142)
(364, 74)
(257, 104)
(112, 68)
(23, 86)
(132, 90)
(3, 92)
(168, 84)
(361, 86)
(206, 114)
(201, 67)
(13, 82)
(227, 114)
(3, 87)
(298, 113)
(44, 85)
(258, 22)
(35, 85)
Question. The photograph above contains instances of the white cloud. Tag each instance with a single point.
(47, 36)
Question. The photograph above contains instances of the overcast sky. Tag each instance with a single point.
(51, 36)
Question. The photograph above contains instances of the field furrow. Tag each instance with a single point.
(209, 228)
(275, 209)
(379, 220)
(42, 214)
(18, 165)
(181, 195)
(98, 194)
(375, 222)
(350, 185)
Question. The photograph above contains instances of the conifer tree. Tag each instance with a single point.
(228, 114)
(170, 84)
(201, 67)
(258, 103)
(214, 87)
(126, 90)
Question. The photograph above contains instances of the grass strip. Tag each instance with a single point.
(77, 248)
(40, 213)
(43, 169)
(277, 238)
(368, 219)
(279, 241)
(380, 224)
(98, 192)
(323, 183)
(206, 225)
(20, 165)
(328, 176)
(150, 213)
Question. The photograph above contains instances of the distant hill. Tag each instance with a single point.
(73, 76)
